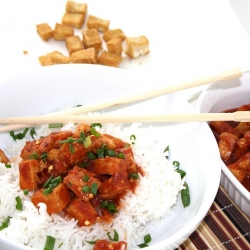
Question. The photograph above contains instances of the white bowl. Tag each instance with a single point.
(219, 97)
(53, 87)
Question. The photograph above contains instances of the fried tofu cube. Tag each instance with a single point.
(82, 211)
(104, 244)
(54, 57)
(239, 173)
(84, 56)
(114, 46)
(92, 39)
(73, 7)
(73, 19)
(243, 127)
(115, 33)
(94, 22)
(61, 31)
(28, 174)
(55, 201)
(74, 43)
(3, 157)
(136, 46)
(109, 59)
(44, 31)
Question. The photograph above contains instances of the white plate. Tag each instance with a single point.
(54, 87)
(187, 39)
(219, 97)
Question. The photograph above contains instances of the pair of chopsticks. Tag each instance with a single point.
(71, 115)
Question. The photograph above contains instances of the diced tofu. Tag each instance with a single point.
(107, 245)
(55, 201)
(80, 181)
(97, 143)
(136, 46)
(115, 33)
(118, 142)
(28, 178)
(220, 126)
(240, 148)
(94, 22)
(59, 136)
(237, 172)
(85, 56)
(73, 43)
(243, 127)
(44, 31)
(92, 39)
(244, 162)
(3, 157)
(62, 31)
(54, 57)
(82, 127)
(114, 46)
(109, 59)
(73, 7)
(73, 19)
(82, 211)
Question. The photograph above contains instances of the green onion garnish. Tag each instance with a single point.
(84, 165)
(90, 155)
(25, 191)
(181, 172)
(147, 239)
(19, 136)
(91, 242)
(96, 125)
(100, 153)
(47, 191)
(32, 133)
(7, 165)
(85, 178)
(85, 189)
(71, 148)
(110, 206)
(94, 188)
(94, 132)
(134, 176)
(121, 155)
(166, 150)
(176, 164)
(46, 184)
(56, 125)
(34, 156)
(5, 223)
(110, 152)
(50, 243)
(57, 180)
(19, 205)
(60, 245)
(185, 195)
(115, 238)
(44, 157)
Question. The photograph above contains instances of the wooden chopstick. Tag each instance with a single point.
(225, 75)
(191, 117)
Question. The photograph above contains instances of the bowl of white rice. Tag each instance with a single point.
(155, 208)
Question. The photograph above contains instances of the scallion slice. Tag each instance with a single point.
(85, 178)
(115, 238)
(110, 152)
(32, 133)
(56, 125)
(96, 125)
(94, 132)
(50, 243)
(85, 189)
(5, 223)
(25, 191)
(46, 184)
(121, 155)
(19, 205)
(94, 188)
(7, 165)
(134, 176)
(147, 239)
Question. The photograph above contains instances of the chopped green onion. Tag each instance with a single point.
(56, 125)
(176, 164)
(147, 239)
(46, 184)
(133, 137)
(57, 180)
(25, 191)
(181, 172)
(84, 165)
(104, 203)
(7, 165)
(85, 178)
(34, 156)
(44, 157)
(94, 188)
(96, 125)
(19, 136)
(87, 142)
(71, 140)
(134, 176)
(166, 150)
(100, 152)
(47, 191)
(110, 152)
(185, 195)
(19, 205)
(71, 148)
(52, 185)
(115, 238)
(82, 135)
(60, 245)
(110, 206)
(50, 243)
(94, 132)
(121, 155)
(79, 105)
(85, 189)
(32, 133)
(90, 155)
(5, 223)
(91, 242)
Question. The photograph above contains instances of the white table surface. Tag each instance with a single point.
(188, 39)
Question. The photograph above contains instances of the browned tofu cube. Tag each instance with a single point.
(109, 59)
(114, 46)
(243, 162)
(94, 22)
(243, 127)
(81, 182)
(237, 172)
(240, 148)
(84, 56)
(220, 126)
(73, 19)
(74, 43)
(73, 7)
(54, 57)
(61, 31)
(104, 244)
(3, 157)
(44, 31)
(28, 174)
(92, 39)
(136, 46)
(115, 33)
(55, 201)
(82, 211)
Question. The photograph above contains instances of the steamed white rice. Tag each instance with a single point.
(154, 197)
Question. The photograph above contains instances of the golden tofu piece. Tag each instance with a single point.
(73, 19)
(44, 31)
(115, 46)
(109, 59)
(116, 33)
(136, 46)
(54, 57)
(84, 56)
(3, 157)
(92, 39)
(73, 7)
(61, 31)
(97, 23)
(74, 43)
